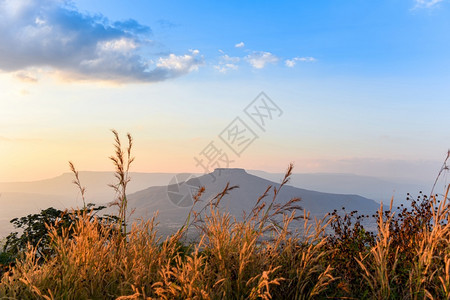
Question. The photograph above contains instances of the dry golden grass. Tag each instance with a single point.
(260, 257)
(428, 269)
(378, 268)
(231, 260)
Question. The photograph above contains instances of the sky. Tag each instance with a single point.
(356, 87)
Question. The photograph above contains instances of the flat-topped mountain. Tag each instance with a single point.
(149, 192)
(174, 201)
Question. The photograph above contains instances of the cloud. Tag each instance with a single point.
(26, 77)
(240, 45)
(227, 63)
(174, 66)
(426, 3)
(292, 62)
(53, 33)
(224, 68)
(259, 59)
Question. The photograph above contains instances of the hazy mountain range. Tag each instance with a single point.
(173, 202)
(150, 192)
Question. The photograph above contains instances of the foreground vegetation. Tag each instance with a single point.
(260, 256)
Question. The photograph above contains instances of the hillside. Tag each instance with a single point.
(173, 210)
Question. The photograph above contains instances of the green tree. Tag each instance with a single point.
(35, 228)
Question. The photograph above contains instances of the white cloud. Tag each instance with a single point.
(123, 45)
(224, 68)
(227, 58)
(240, 45)
(180, 65)
(259, 59)
(292, 62)
(227, 63)
(426, 3)
(54, 34)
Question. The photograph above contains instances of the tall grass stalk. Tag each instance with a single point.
(122, 161)
(379, 264)
(267, 254)
(77, 182)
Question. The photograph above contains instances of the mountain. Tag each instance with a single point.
(378, 189)
(149, 192)
(96, 183)
(19, 199)
(16, 204)
(173, 202)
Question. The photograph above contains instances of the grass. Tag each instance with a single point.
(260, 257)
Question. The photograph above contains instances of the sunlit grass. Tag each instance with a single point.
(260, 257)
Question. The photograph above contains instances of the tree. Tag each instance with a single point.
(35, 228)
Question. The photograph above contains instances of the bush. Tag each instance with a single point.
(77, 255)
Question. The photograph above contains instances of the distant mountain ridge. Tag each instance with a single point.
(378, 189)
(96, 183)
(147, 202)
(21, 198)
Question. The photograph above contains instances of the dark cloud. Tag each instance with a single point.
(51, 33)
(132, 26)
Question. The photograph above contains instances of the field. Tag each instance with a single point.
(262, 256)
(408, 258)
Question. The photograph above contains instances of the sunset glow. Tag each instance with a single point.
(363, 87)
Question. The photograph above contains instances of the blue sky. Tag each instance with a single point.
(363, 85)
